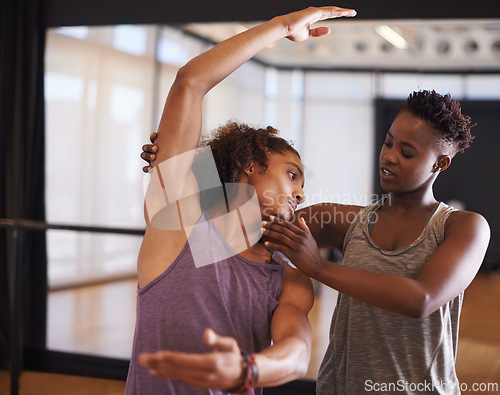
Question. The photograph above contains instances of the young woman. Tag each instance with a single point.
(407, 261)
(246, 299)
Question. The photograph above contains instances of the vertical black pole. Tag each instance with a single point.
(16, 310)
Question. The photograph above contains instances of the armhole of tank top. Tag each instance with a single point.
(283, 265)
(448, 210)
(166, 271)
(350, 229)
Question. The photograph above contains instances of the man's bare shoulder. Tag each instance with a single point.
(297, 289)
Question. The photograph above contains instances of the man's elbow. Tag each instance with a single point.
(189, 80)
(303, 360)
(302, 367)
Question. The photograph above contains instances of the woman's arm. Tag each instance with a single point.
(445, 275)
(328, 222)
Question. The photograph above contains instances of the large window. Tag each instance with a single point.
(98, 109)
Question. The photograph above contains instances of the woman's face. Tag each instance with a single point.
(409, 155)
(279, 188)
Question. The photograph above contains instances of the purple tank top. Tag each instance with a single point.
(235, 297)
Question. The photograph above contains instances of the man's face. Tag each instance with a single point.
(280, 187)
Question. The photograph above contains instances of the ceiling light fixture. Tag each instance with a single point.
(389, 34)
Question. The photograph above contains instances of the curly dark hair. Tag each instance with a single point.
(443, 113)
(234, 146)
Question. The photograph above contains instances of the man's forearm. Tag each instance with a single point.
(288, 358)
(211, 67)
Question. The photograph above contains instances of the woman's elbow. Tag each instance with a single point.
(420, 308)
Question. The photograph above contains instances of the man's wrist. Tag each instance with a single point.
(250, 374)
(279, 22)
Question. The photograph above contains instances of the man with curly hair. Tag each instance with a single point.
(216, 310)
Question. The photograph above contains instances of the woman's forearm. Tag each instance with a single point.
(397, 294)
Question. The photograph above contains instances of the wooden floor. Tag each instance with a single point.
(100, 320)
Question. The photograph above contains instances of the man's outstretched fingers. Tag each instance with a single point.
(218, 342)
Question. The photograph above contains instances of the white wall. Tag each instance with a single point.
(338, 137)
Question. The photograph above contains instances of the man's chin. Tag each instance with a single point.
(285, 217)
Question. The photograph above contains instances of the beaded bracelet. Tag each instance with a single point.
(250, 374)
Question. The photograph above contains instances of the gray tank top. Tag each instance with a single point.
(372, 349)
(235, 297)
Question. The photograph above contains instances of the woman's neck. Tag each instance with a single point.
(411, 200)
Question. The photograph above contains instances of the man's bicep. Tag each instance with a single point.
(295, 302)
(297, 290)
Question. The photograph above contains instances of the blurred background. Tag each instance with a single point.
(106, 75)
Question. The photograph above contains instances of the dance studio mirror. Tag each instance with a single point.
(105, 87)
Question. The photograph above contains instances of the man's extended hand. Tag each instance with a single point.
(221, 368)
(298, 24)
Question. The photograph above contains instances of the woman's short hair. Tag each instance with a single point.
(444, 114)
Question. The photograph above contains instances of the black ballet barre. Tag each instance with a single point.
(26, 224)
